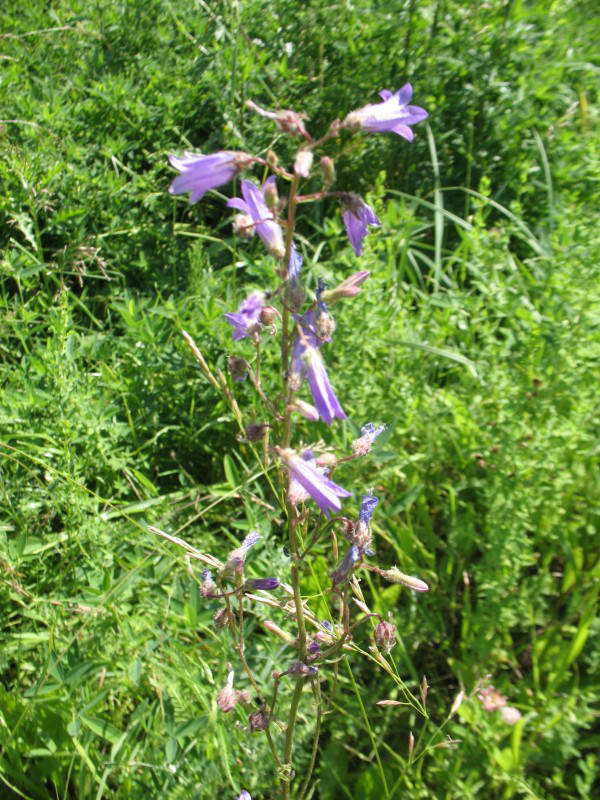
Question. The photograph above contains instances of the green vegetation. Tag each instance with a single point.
(476, 339)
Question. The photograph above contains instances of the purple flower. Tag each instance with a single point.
(323, 491)
(200, 173)
(357, 216)
(348, 288)
(268, 584)
(247, 317)
(308, 363)
(321, 389)
(244, 795)
(254, 204)
(392, 115)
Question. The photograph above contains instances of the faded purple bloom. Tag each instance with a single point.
(268, 584)
(227, 697)
(361, 446)
(367, 507)
(244, 795)
(323, 491)
(303, 163)
(258, 721)
(392, 115)
(237, 557)
(357, 216)
(254, 204)
(247, 317)
(200, 173)
(208, 587)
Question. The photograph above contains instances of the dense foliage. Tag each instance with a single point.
(477, 341)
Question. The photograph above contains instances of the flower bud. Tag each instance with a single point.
(328, 460)
(273, 628)
(243, 226)
(258, 720)
(510, 715)
(304, 409)
(267, 584)
(238, 367)
(395, 576)
(385, 635)
(272, 159)
(328, 171)
(271, 196)
(348, 288)
(294, 295)
(303, 163)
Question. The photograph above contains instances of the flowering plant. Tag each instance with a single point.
(307, 477)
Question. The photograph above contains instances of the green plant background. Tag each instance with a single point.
(476, 339)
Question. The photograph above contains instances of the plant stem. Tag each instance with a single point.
(289, 736)
(316, 686)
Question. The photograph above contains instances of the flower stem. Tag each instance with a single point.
(289, 737)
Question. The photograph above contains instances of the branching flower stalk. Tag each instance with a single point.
(306, 331)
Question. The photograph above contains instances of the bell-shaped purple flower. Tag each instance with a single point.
(321, 389)
(200, 173)
(394, 114)
(308, 363)
(357, 216)
(246, 319)
(346, 566)
(323, 491)
(237, 558)
(255, 205)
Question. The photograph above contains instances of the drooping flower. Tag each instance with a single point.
(254, 205)
(394, 114)
(246, 319)
(321, 389)
(357, 216)
(298, 669)
(346, 565)
(361, 446)
(208, 587)
(304, 409)
(237, 558)
(307, 362)
(322, 490)
(200, 173)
